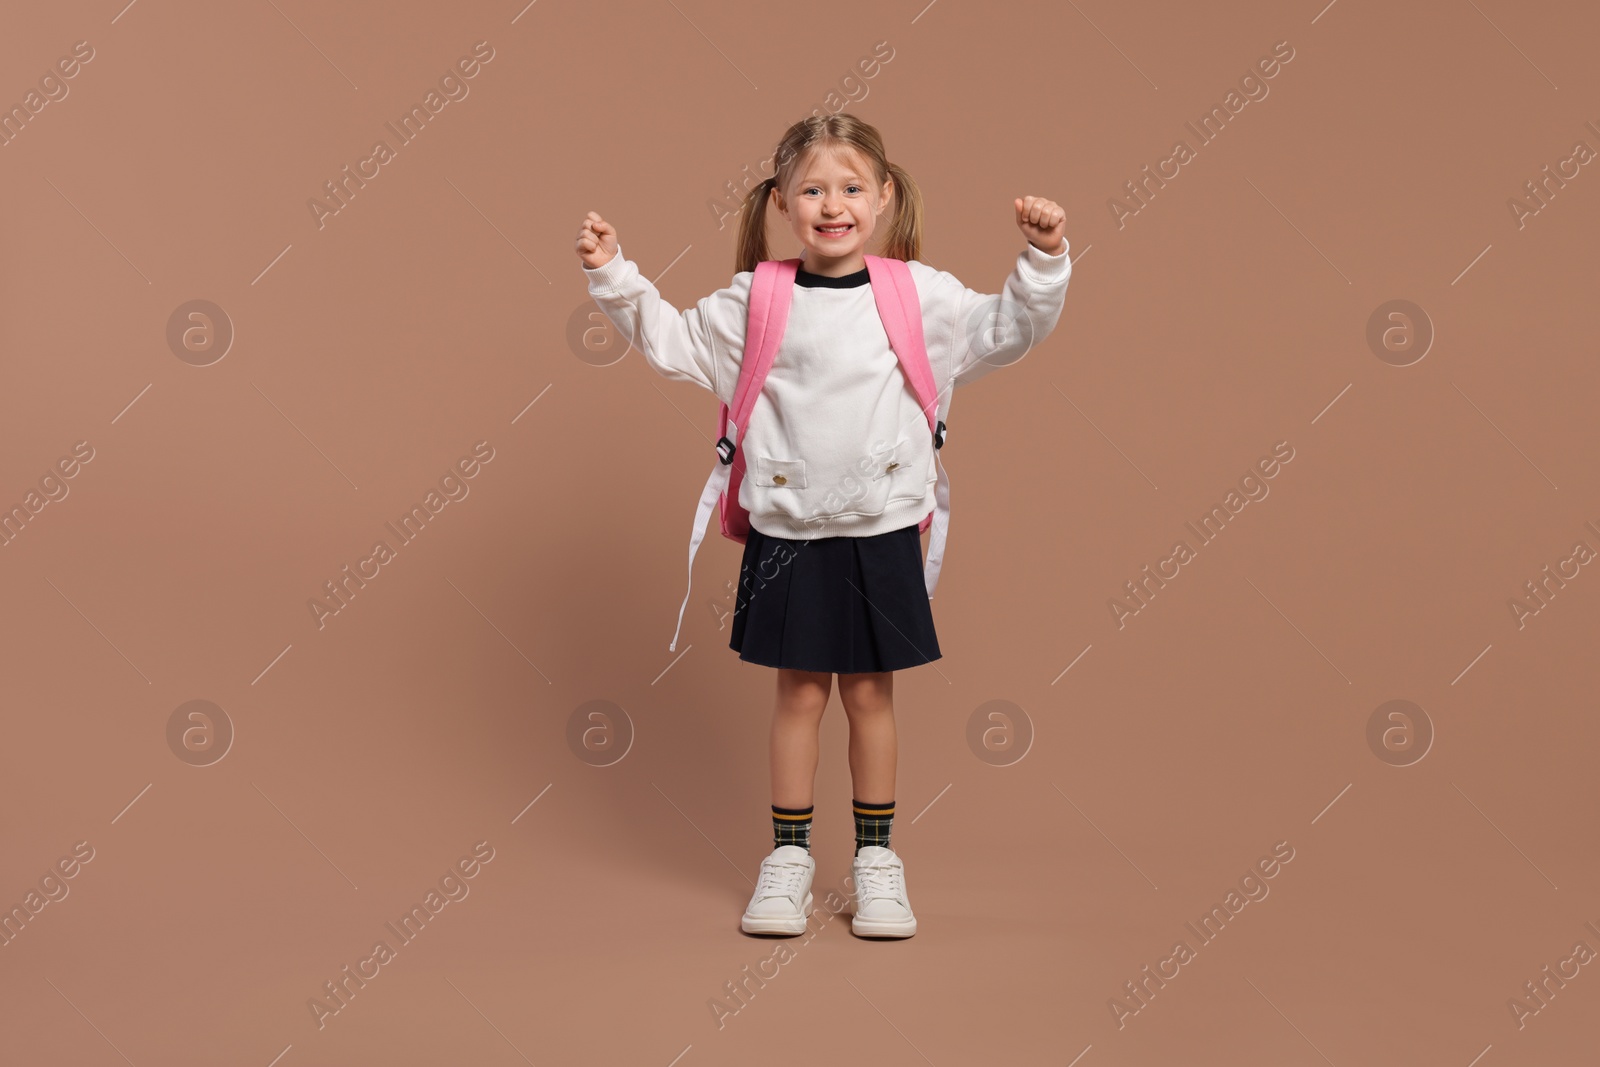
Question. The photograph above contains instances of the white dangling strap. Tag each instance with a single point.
(715, 485)
(940, 525)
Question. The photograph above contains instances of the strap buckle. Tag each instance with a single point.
(727, 458)
(938, 435)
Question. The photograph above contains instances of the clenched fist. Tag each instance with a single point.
(597, 241)
(1043, 223)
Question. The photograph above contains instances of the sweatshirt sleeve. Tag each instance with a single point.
(703, 344)
(988, 331)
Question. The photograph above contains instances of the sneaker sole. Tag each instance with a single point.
(770, 924)
(880, 928)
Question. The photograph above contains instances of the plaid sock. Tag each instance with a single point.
(792, 826)
(873, 823)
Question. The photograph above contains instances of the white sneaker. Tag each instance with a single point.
(782, 900)
(882, 909)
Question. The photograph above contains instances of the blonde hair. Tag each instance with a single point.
(844, 131)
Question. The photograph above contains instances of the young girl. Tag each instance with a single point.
(831, 579)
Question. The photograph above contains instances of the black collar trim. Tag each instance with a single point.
(823, 281)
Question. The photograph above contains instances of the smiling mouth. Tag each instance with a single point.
(838, 231)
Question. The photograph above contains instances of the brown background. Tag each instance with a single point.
(435, 710)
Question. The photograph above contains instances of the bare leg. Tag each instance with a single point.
(869, 704)
(802, 698)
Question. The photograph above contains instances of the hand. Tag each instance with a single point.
(597, 241)
(1043, 223)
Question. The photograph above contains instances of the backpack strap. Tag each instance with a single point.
(901, 311)
(771, 293)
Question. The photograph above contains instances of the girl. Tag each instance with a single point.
(838, 474)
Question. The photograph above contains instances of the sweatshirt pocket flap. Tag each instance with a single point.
(780, 473)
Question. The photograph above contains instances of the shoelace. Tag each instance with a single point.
(879, 880)
(782, 879)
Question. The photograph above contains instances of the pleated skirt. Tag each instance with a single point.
(841, 605)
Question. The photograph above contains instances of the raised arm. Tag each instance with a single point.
(987, 331)
(703, 344)
(997, 330)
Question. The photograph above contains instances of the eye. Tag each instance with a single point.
(854, 187)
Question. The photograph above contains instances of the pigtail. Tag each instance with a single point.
(752, 240)
(904, 240)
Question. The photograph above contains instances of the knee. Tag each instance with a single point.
(866, 696)
(804, 692)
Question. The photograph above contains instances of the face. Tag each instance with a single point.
(833, 206)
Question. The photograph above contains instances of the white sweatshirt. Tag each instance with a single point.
(837, 444)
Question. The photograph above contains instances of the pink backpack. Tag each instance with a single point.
(771, 292)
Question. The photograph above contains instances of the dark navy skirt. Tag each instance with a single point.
(840, 605)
